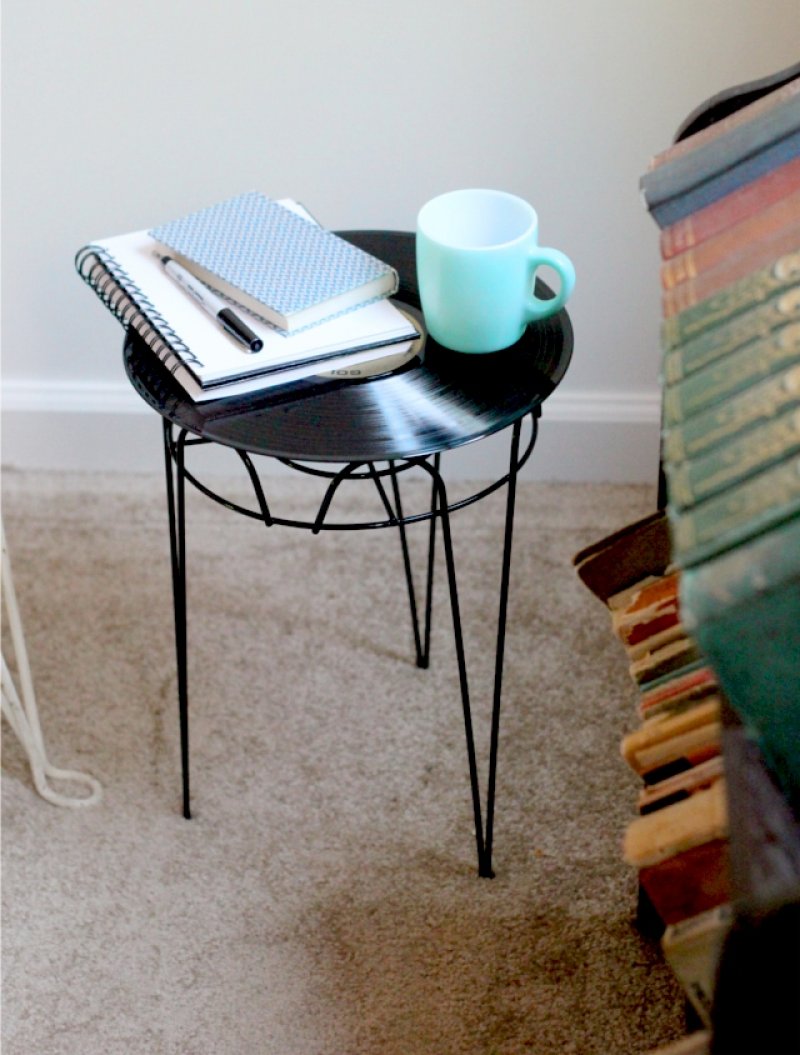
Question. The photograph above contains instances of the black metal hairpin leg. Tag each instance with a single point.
(176, 500)
(422, 641)
(483, 836)
(505, 578)
(174, 458)
(429, 580)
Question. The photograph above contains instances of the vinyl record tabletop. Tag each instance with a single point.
(438, 401)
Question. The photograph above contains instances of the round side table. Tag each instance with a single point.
(370, 430)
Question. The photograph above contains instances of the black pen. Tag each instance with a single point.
(214, 305)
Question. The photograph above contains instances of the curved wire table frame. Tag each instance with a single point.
(176, 440)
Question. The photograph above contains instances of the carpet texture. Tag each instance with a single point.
(324, 898)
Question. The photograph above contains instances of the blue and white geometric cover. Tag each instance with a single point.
(285, 263)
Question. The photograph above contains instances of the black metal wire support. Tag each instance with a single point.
(439, 511)
(176, 501)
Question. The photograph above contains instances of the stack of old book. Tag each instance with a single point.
(678, 842)
(704, 596)
(727, 200)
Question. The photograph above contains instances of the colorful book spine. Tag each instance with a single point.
(758, 321)
(693, 733)
(740, 265)
(723, 421)
(658, 836)
(651, 609)
(677, 693)
(765, 224)
(693, 481)
(731, 374)
(657, 641)
(682, 854)
(752, 289)
(662, 659)
(734, 208)
(736, 119)
(737, 514)
(692, 167)
(680, 786)
(711, 189)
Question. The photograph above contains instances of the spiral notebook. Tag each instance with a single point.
(126, 274)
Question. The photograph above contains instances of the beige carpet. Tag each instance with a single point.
(323, 900)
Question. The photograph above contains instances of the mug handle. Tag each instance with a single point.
(537, 308)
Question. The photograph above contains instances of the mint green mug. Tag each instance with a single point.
(477, 255)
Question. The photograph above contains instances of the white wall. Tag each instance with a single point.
(118, 116)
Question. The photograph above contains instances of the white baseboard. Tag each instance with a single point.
(584, 436)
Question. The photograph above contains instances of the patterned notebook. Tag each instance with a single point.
(278, 265)
(127, 276)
